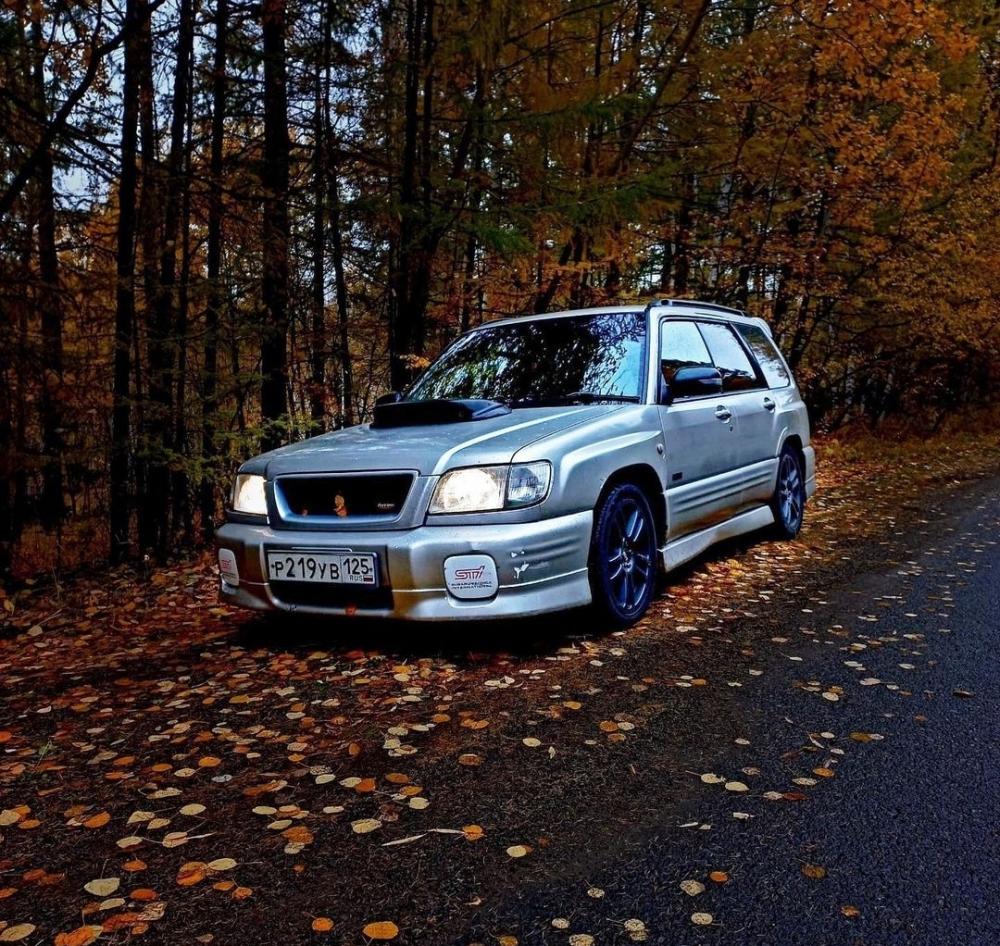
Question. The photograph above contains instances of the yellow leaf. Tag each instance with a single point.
(14, 934)
(382, 930)
(102, 886)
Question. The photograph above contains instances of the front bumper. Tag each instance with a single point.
(541, 566)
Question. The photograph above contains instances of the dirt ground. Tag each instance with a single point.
(173, 771)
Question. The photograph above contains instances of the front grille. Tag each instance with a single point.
(345, 496)
(308, 594)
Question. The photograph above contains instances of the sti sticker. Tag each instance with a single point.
(471, 577)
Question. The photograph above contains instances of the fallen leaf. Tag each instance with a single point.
(719, 877)
(222, 863)
(81, 936)
(14, 934)
(473, 832)
(382, 930)
(518, 850)
(97, 821)
(102, 886)
(701, 919)
(191, 873)
(364, 825)
(850, 911)
(322, 924)
(692, 887)
(814, 871)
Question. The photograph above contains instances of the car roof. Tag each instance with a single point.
(669, 307)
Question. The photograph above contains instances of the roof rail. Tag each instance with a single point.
(693, 304)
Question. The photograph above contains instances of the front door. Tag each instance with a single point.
(700, 434)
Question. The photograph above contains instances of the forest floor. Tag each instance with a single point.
(173, 771)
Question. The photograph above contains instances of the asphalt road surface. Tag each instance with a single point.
(905, 828)
(798, 745)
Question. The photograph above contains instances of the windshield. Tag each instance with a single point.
(545, 361)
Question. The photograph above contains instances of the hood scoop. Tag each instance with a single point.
(421, 413)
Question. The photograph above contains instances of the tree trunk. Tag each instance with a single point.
(179, 485)
(274, 332)
(52, 507)
(162, 338)
(321, 104)
(136, 14)
(402, 330)
(340, 283)
(151, 480)
(216, 291)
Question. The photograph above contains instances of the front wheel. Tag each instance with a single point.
(623, 555)
(789, 500)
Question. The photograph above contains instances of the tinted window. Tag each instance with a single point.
(738, 373)
(775, 372)
(681, 346)
(542, 361)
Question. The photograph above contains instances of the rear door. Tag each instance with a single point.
(774, 400)
(700, 437)
(746, 395)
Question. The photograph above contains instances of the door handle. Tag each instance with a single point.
(768, 405)
(723, 413)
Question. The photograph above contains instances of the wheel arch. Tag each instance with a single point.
(795, 442)
(645, 478)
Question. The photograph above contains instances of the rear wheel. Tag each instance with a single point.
(623, 555)
(789, 500)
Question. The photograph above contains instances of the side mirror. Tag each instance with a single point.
(393, 397)
(694, 381)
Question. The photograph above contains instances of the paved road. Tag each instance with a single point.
(906, 829)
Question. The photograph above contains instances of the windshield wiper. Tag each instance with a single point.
(577, 397)
(595, 397)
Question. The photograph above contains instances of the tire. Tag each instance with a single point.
(623, 568)
(789, 501)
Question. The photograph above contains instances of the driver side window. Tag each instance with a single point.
(681, 346)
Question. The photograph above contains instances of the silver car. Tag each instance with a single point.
(541, 463)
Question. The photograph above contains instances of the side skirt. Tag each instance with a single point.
(690, 546)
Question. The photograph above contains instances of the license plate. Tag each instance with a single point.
(334, 568)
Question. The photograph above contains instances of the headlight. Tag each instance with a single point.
(474, 489)
(248, 495)
(490, 488)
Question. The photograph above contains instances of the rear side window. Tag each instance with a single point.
(764, 350)
(738, 374)
(681, 346)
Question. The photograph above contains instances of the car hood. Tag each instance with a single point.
(428, 449)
